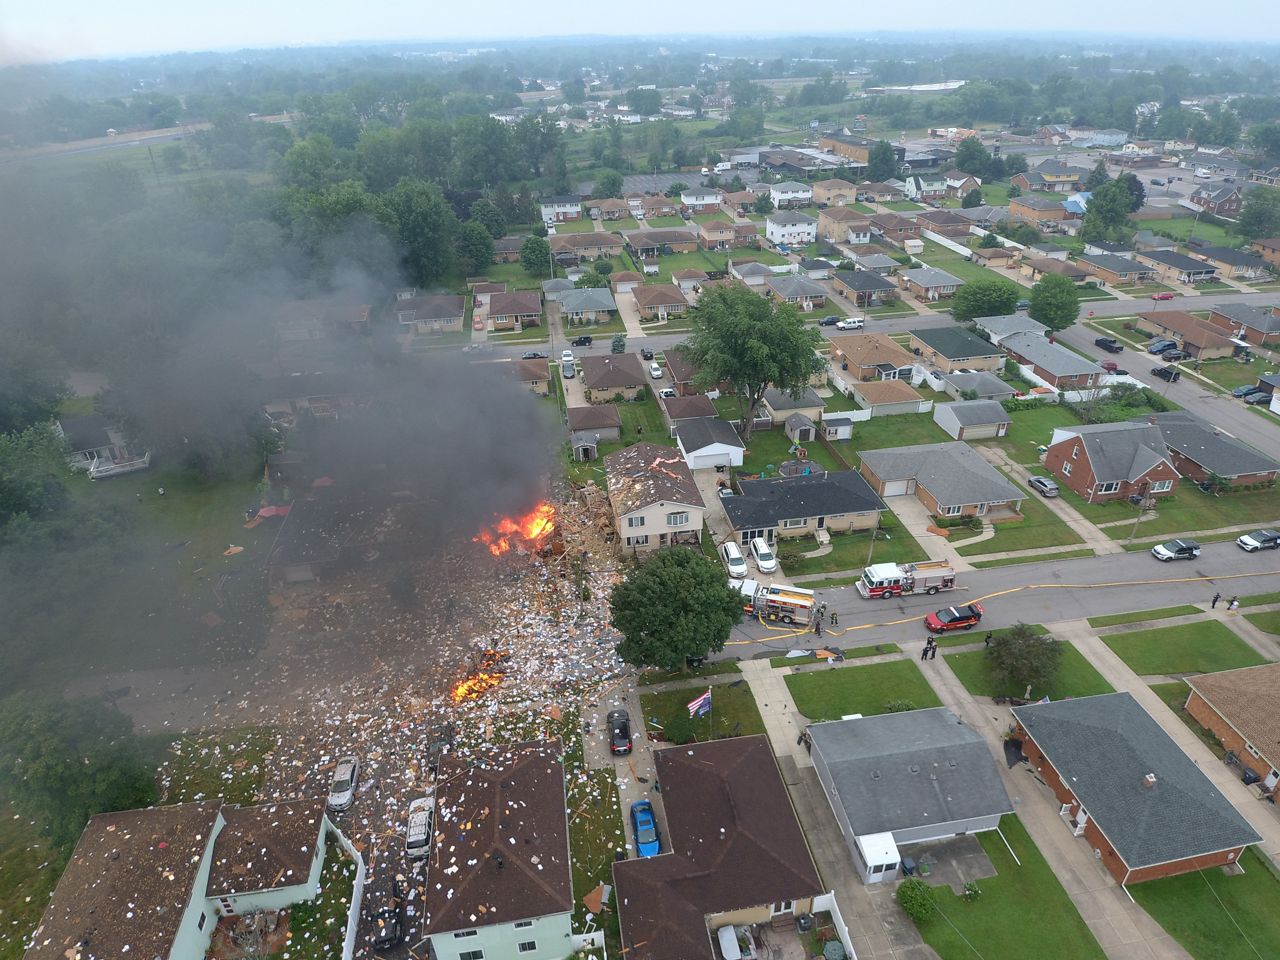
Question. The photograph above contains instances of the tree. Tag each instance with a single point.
(618, 344)
(1107, 216)
(1021, 658)
(984, 298)
(1014, 191)
(1260, 213)
(474, 247)
(763, 205)
(972, 157)
(882, 162)
(1014, 163)
(915, 898)
(608, 184)
(1055, 302)
(603, 267)
(1097, 176)
(535, 256)
(71, 759)
(989, 241)
(1137, 192)
(644, 102)
(573, 90)
(32, 467)
(677, 604)
(972, 199)
(1265, 138)
(486, 213)
(426, 225)
(752, 343)
(32, 385)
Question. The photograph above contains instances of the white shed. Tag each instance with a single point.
(709, 442)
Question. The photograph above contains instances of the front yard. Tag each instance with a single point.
(1191, 648)
(868, 689)
(1187, 509)
(1140, 616)
(849, 551)
(1040, 527)
(1076, 677)
(733, 711)
(1229, 374)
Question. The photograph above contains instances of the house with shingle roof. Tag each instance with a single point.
(955, 348)
(534, 374)
(929, 283)
(982, 385)
(1054, 364)
(950, 479)
(972, 419)
(1242, 709)
(1117, 270)
(708, 442)
(654, 498)
(778, 405)
(602, 420)
(789, 227)
(1247, 321)
(1142, 803)
(883, 398)
(430, 313)
(587, 304)
(1173, 267)
(1233, 264)
(864, 287)
(678, 409)
(551, 289)
(1268, 249)
(1199, 450)
(844, 225)
(605, 377)
(750, 272)
(780, 507)
(1111, 461)
(1198, 337)
(790, 193)
(869, 356)
(655, 243)
(799, 291)
(659, 300)
(515, 311)
(834, 192)
(997, 328)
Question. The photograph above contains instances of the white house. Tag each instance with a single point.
(790, 193)
(707, 442)
(790, 228)
(560, 209)
(701, 199)
(925, 186)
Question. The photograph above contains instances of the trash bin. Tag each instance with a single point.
(908, 867)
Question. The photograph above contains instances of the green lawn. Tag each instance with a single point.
(1229, 374)
(866, 689)
(1033, 558)
(850, 653)
(768, 448)
(1191, 648)
(1175, 695)
(1076, 677)
(888, 311)
(849, 551)
(655, 223)
(317, 927)
(714, 669)
(514, 276)
(936, 255)
(585, 225)
(1214, 286)
(230, 764)
(899, 430)
(604, 328)
(967, 637)
(1210, 913)
(1186, 510)
(1180, 228)
(1163, 613)
(1266, 622)
(839, 402)
(539, 334)
(1040, 527)
(595, 838)
(902, 206)
(996, 193)
(29, 869)
(995, 924)
(733, 711)
(1260, 599)
(711, 217)
(1033, 428)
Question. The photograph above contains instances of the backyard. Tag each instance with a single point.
(936, 255)
(900, 430)
(1181, 228)
(868, 689)
(768, 448)
(1205, 647)
(1076, 677)
(733, 711)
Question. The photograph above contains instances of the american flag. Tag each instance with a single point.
(701, 705)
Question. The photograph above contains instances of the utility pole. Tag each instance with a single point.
(1142, 507)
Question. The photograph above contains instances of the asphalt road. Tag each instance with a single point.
(1031, 593)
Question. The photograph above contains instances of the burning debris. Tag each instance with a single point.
(530, 531)
(490, 672)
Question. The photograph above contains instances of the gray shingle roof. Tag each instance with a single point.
(1122, 451)
(955, 343)
(1251, 315)
(551, 289)
(1104, 747)
(766, 503)
(702, 432)
(793, 286)
(1056, 359)
(587, 299)
(914, 769)
(1114, 263)
(752, 269)
(969, 413)
(1010, 323)
(953, 473)
(790, 219)
(863, 281)
(1236, 258)
(1202, 443)
(985, 385)
(932, 277)
(780, 400)
(1179, 261)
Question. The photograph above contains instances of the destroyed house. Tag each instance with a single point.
(654, 498)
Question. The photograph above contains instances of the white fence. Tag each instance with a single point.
(948, 243)
(357, 894)
(590, 941)
(827, 901)
(980, 232)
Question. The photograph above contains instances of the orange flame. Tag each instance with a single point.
(531, 529)
(487, 676)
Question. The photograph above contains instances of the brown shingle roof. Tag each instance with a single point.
(589, 239)
(680, 369)
(735, 843)
(489, 288)
(503, 851)
(644, 474)
(843, 215)
(1200, 333)
(528, 371)
(658, 238)
(594, 417)
(614, 370)
(868, 349)
(1063, 268)
(1249, 700)
(127, 883)
(887, 391)
(686, 408)
(432, 306)
(625, 276)
(518, 304)
(689, 275)
(265, 847)
(658, 294)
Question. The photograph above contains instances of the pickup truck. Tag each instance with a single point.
(1108, 344)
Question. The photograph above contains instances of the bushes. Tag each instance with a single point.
(915, 899)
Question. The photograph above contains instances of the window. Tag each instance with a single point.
(1110, 487)
(678, 519)
(952, 511)
(1066, 469)
(1252, 750)
(792, 524)
(1075, 452)
(528, 946)
(635, 521)
(524, 924)
(637, 541)
(1160, 486)
(465, 933)
(471, 955)
(201, 921)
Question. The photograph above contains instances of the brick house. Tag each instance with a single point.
(1034, 209)
(1036, 269)
(534, 374)
(560, 209)
(894, 229)
(654, 243)
(948, 223)
(604, 378)
(1198, 449)
(1221, 201)
(654, 497)
(871, 356)
(1140, 802)
(1233, 264)
(507, 249)
(1057, 366)
(697, 200)
(950, 479)
(1259, 326)
(1242, 709)
(659, 206)
(430, 313)
(1268, 250)
(1052, 176)
(1111, 461)
(1173, 267)
(929, 283)
(715, 235)
(864, 287)
(738, 203)
(781, 507)
(959, 184)
(515, 311)
(843, 225)
(1117, 271)
(592, 244)
(1198, 337)
(798, 291)
(834, 193)
(657, 301)
(955, 348)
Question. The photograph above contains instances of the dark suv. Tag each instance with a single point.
(1108, 344)
(582, 341)
(1167, 373)
(619, 733)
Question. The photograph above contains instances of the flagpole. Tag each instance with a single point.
(711, 709)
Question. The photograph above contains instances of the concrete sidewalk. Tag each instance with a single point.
(915, 517)
(782, 721)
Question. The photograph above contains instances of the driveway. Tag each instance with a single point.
(916, 518)
(630, 315)
(574, 393)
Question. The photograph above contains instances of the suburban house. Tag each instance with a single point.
(800, 291)
(1141, 803)
(790, 193)
(715, 235)
(507, 249)
(1036, 269)
(1111, 461)
(1233, 264)
(864, 287)
(708, 442)
(654, 498)
(700, 199)
(750, 272)
(1221, 201)
(1242, 709)
(1199, 450)
(951, 479)
(865, 258)
(1269, 177)
(870, 356)
(560, 209)
(1037, 210)
(946, 223)
(781, 507)
(689, 281)
(955, 348)
(587, 305)
(1268, 250)
(1052, 176)
(551, 289)
(1048, 250)
(1171, 267)
(843, 225)
(904, 778)
(879, 192)
(678, 409)
(929, 283)
(657, 301)
(738, 203)
(834, 193)
(610, 208)
(658, 206)
(972, 419)
(778, 405)
(993, 257)
(500, 817)
(982, 385)
(1200, 338)
(624, 281)
(96, 445)
(894, 229)
(430, 313)
(786, 227)
(590, 245)
(598, 422)
(1147, 240)
(883, 398)
(514, 311)
(1053, 363)
(959, 184)
(925, 186)
(1259, 326)
(155, 882)
(605, 377)
(816, 268)
(654, 243)
(1106, 246)
(1117, 271)
(534, 374)
(738, 856)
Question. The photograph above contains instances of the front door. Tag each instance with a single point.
(822, 522)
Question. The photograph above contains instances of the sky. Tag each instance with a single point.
(70, 29)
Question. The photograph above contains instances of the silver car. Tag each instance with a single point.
(1043, 485)
(421, 827)
(342, 789)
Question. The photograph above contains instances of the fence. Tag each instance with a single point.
(1004, 242)
(827, 901)
(357, 894)
(948, 243)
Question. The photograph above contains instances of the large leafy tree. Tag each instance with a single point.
(1055, 302)
(31, 385)
(486, 213)
(882, 164)
(535, 256)
(426, 226)
(1107, 216)
(1097, 176)
(474, 247)
(972, 199)
(608, 184)
(1260, 213)
(675, 605)
(32, 467)
(1021, 658)
(984, 298)
(752, 343)
(973, 158)
(1137, 192)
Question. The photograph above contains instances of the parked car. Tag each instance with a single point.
(1023, 305)
(646, 353)
(421, 828)
(648, 843)
(1171, 374)
(667, 392)
(1176, 550)
(849, 323)
(1254, 399)
(1157, 182)
(1175, 356)
(828, 321)
(1247, 389)
(388, 920)
(582, 341)
(954, 618)
(1044, 486)
(342, 788)
(477, 323)
(1160, 346)
(1259, 540)
(533, 355)
(763, 555)
(619, 733)
(1162, 295)
(567, 369)
(1108, 344)
(733, 559)
(655, 370)
(566, 356)
(1109, 365)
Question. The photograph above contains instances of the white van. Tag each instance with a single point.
(421, 828)
(723, 167)
(763, 556)
(733, 559)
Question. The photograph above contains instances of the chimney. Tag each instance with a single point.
(1149, 780)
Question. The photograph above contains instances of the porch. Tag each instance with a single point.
(110, 468)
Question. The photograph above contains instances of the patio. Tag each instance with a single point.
(953, 862)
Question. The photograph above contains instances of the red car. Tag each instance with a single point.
(954, 618)
(1166, 295)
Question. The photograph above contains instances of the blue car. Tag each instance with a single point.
(648, 844)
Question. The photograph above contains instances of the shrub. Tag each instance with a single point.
(898, 706)
(971, 891)
(915, 899)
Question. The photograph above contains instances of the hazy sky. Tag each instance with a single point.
(66, 29)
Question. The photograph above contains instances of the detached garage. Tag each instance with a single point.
(708, 442)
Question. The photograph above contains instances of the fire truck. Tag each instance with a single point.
(778, 601)
(886, 580)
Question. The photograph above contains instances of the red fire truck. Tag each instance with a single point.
(886, 580)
